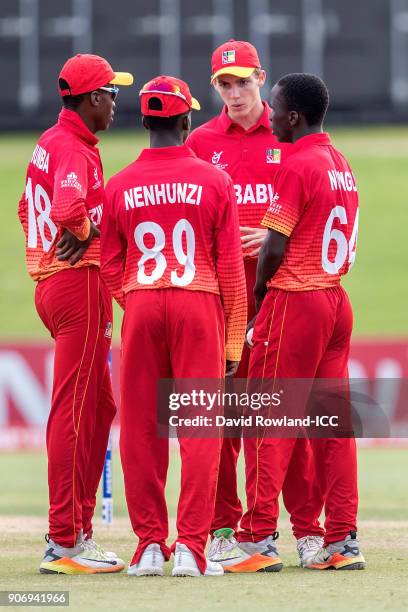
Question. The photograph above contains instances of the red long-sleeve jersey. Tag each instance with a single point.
(64, 189)
(171, 221)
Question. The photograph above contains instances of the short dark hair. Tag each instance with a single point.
(306, 94)
(157, 124)
(70, 102)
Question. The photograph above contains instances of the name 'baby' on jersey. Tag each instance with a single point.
(163, 193)
(259, 193)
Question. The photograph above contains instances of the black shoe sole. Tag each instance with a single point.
(271, 568)
(353, 566)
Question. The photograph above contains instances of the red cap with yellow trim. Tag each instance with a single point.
(172, 97)
(86, 72)
(236, 57)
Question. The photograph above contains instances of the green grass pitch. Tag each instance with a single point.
(379, 294)
(383, 528)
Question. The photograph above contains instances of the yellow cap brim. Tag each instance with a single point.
(195, 104)
(122, 78)
(238, 71)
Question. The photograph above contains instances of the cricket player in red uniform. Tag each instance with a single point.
(171, 256)
(304, 323)
(61, 211)
(240, 141)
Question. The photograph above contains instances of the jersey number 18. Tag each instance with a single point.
(39, 202)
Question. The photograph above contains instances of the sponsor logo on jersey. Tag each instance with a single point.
(228, 57)
(344, 181)
(273, 156)
(40, 158)
(260, 193)
(164, 193)
(71, 181)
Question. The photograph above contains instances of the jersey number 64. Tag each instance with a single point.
(345, 250)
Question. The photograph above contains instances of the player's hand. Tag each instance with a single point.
(249, 332)
(253, 237)
(71, 249)
(231, 367)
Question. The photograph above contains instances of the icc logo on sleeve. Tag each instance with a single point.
(98, 182)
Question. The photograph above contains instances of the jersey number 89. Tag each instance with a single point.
(155, 252)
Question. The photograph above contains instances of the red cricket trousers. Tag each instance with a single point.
(168, 333)
(228, 507)
(76, 308)
(301, 335)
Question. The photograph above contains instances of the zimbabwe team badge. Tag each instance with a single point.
(273, 156)
(228, 57)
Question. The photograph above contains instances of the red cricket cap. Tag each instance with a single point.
(174, 96)
(236, 57)
(85, 72)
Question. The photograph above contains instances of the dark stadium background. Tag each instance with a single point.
(359, 47)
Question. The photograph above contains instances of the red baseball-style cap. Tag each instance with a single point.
(236, 57)
(85, 72)
(174, 96)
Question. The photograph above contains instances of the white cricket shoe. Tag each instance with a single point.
(226, 550)
(80, 559)
(151, 562)
(307, 547)
(90, 543)
(186, 565)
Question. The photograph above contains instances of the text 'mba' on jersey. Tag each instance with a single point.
(251, 157)
(316, 204)
(64, 189)
(172, 219)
